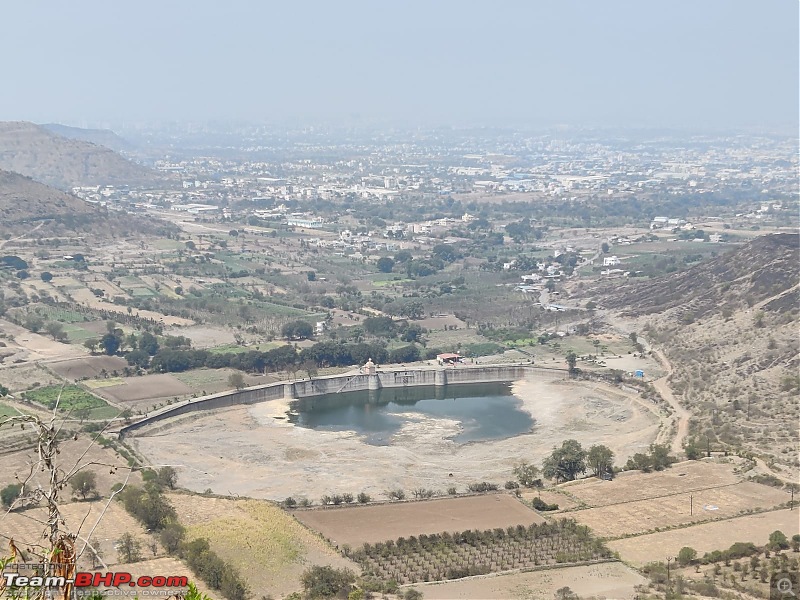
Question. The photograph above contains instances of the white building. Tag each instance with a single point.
(610, 261)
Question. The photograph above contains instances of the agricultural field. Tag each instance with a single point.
(636, 502)
(602, 580)
(140, 393)
(377, 523)
(211, 381)
(88, 366)
(25, 376)
(634, 485)
(706, 537)
(72, 398)
(79, 517)
(270, 548)
(468, 553)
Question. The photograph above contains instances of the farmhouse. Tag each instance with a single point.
(448, 358)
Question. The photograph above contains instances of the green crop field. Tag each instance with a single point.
(73, 398)
(78, 335)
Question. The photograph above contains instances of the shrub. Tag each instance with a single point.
(290, 502)
(10, 493)
(363, 498)
(483, 486)
(327, 582)
(540, 504)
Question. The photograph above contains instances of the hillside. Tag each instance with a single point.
(23, 200)
(61, 162)
(26, 204)
(100, 137)
(728, 327)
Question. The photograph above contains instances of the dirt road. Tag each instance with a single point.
(680, 413)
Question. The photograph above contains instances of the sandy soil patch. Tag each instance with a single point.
(610, 580)
(244, 450)
(204, 336)
(28, 346)
(356, 525)
(708, 504)
(707, 536)
(22, 377)
(79, 517)
(439, 322)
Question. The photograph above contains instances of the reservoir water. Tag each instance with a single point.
(484, 411)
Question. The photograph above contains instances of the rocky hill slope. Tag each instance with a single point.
(100, 137)
(728, 327)
(61, 162)
(26, 204)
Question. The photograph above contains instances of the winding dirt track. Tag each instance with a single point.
(680, 413)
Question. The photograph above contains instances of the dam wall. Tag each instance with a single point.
(335, 384)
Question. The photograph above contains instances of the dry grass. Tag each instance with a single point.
(270, 548)
(668, 511)
(635, 485)
(376, 523)
(707, 537)
(610, 580)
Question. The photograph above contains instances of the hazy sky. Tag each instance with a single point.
(655, 63)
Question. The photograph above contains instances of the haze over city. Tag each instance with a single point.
(400, 300)
(716, 64)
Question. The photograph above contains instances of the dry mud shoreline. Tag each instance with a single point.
(254, 451)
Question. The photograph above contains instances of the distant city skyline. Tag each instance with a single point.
(716, 64)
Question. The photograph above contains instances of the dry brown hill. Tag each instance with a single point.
(26, 204)
(101, 137)
(761, 269)
(23, 200)
(728, 327)
(34, 151)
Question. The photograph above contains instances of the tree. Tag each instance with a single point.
(236, 380)
(686, 555)
(10, 493)
(82, 413)
(297, 330)
(311, 276)
(110, 344)
(129, 548)
(778, 540)
(47, 276)
(84, 483)
(95, 551)
(600, 460)
(572, 359)
(527, 475)
(565, 593)
(327, 582)
(148, 343)
(659, 456)
(565, 463)
(167, 477)
(639, 462)
(171, 537)
(604, 247)
(385, 264)
(91, 345)
(55, 330)
(33, 322)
